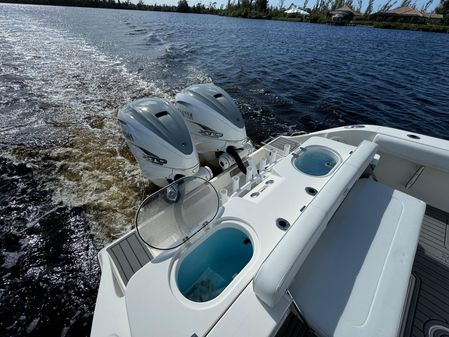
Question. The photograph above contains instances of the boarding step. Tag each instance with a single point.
(129, 254)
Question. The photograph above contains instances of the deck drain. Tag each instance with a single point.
(282, 224)
(412, 136)
(436, 328)
(311, 191)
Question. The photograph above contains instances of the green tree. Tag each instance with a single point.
(426, 6)
(389, 4)
(369, 8)
(443, 8)
(183, 6)
(261, 6)
(337, 4)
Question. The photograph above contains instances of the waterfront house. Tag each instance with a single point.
(434, 17)
(343, 15)
(409, 15)
(293, 10)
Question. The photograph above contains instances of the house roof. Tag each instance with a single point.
(405, 10)
(433, 16)
(346, 9)
(408, 11)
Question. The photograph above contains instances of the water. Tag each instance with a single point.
(212, 266)
(68, 183)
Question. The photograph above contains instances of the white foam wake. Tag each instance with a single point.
(73, 92)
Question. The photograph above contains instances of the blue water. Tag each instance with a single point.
(211, 266)
(65, 171)
(296, 75)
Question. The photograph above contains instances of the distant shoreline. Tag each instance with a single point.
(382, 25)
(201, 9)
(111, 4)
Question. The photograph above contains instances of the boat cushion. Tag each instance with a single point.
(354, 281)
(423, 154)
(278, 270)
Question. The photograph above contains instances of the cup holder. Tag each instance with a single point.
(311, 191)
(282, 224)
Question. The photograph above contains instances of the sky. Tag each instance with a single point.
(299, 3)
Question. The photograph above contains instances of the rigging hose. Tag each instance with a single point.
(235, 155)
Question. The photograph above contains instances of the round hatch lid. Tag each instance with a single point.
(316, 160)
(171, 216)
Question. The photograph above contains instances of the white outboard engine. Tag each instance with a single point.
(159, 139)
(215, 123)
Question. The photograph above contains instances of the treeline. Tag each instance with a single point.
(443, 8)
(182, 6)
(320, 11)
(248, 9)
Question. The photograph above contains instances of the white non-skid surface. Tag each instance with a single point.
(152, 295)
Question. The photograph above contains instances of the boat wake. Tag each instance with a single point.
(68, 181)
(63, 113)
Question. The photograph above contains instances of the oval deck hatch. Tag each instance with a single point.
(316, 160)
(211, 267)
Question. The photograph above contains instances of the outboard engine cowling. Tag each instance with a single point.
(159, 139)
(212, 117)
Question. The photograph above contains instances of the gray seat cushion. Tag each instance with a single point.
(354, 282)
(432, 156)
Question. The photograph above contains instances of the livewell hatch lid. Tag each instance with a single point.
(171, 216)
